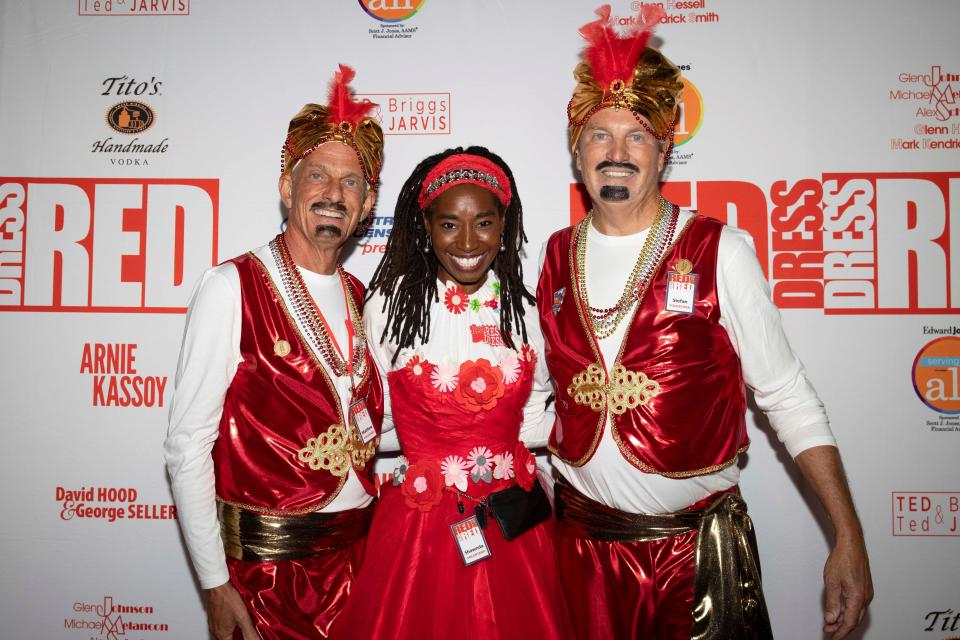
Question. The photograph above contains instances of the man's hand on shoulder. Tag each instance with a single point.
(226, 611)
(848, 585)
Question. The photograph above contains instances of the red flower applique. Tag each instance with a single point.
(456, 300)
(480, 385)
(524, 466)
(416, 368)
(423, 485)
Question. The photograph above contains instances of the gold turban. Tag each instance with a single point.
(622, 71)
(342, 120)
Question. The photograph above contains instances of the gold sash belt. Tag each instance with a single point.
(728, 599)
(260, 537)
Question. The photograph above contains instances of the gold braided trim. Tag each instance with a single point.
(672, 474)
(335, 451)
(625, 390)
(272, 512)
(316, 363)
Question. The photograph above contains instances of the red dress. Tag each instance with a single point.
(459, 423)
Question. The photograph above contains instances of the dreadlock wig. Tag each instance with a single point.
(407, 275)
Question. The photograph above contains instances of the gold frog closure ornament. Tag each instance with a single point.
(626, 389)
(335, 451)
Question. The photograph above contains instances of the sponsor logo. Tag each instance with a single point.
(846, 243)
(116, 382)
(109, 504)
(113, 620)
(936, 378)
(130, 117)
(943, 620)
(412, 114)
(926, 513)
(391, 10)
(689, 121)
(373, 238)
(133, 7)
(675, 12)
(104, 245)
(932, 99)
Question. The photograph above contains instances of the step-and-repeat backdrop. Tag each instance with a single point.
(140, 144)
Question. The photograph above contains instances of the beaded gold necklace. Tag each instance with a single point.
(306, 311)
(604, 321)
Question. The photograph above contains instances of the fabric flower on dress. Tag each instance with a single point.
(525, 466)
(481, 385)
(417, 367)
(444, 376)
(454, 470)
(510, 366)
(504, 466)
(422, 487)
(481, 464)
(528, 353)
(400, 470)
(456, 300)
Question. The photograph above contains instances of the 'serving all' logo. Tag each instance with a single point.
(847, 243)
(391, 10)
(691, 113)
(105, 245)
(936, 375)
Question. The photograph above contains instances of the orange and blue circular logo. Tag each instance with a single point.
(391, 10)
(691, 113)
(936, 374)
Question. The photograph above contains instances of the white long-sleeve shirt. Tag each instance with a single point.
(770, 368)
(208, 361)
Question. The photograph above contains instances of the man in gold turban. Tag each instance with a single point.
(655, 319)
(278, 403)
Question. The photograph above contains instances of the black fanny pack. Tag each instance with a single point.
(517, 510)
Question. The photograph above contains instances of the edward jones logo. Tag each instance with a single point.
(391, 10)
(105, 245)
(691, 112)
(130, 117)
(412, 114)
(935, 375)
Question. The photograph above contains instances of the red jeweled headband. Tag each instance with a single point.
(465, 168)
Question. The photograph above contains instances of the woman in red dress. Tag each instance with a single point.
(459, 545)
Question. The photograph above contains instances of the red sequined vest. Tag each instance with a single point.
(686, 416)
(282, 444)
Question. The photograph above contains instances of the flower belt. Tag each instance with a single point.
(424, 481)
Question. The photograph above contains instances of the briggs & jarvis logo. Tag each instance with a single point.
(391, 10)
(133, 7)
(846, 243)
(925, 513)
(113, 621)
(109, 504)
(130, 117)
(105, 245)
(412, 114)
(935, 376)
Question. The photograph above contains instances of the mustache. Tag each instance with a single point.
(607, 164)
(329, 204)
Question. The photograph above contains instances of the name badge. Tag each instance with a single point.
(681, 292)
(362, 421)
(469, 536)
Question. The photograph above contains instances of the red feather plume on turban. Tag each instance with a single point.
(614, 57)
(341, 104)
